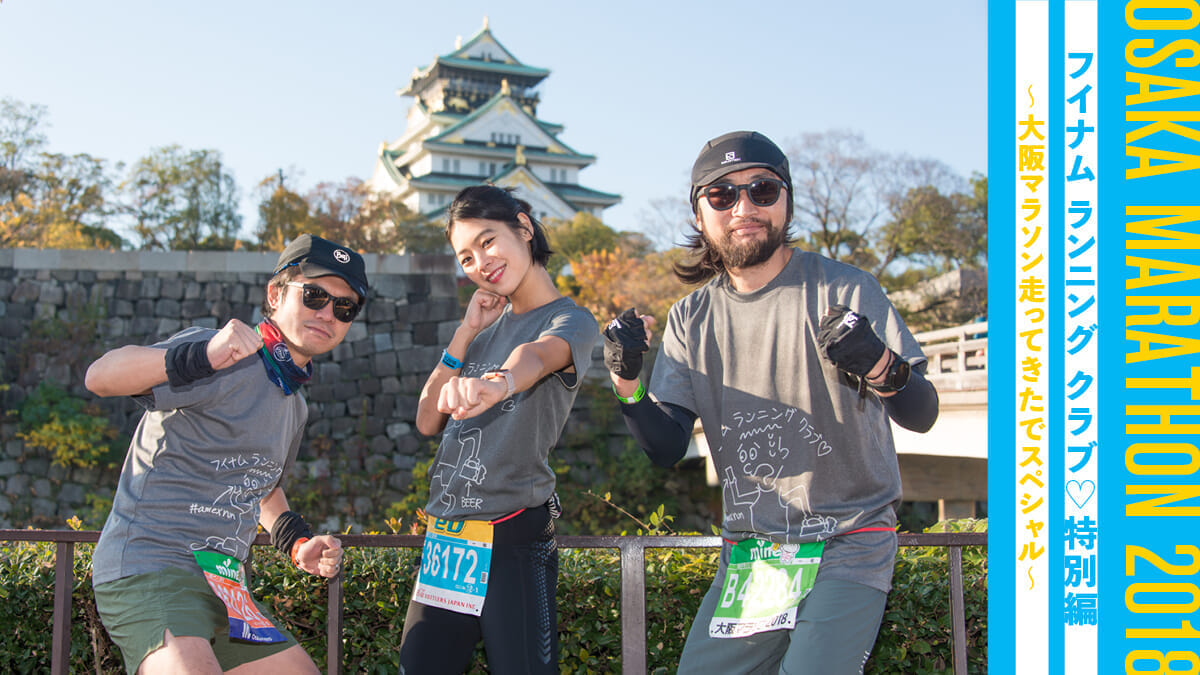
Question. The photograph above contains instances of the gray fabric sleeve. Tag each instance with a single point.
(166, 397)
(671, 379)
(578, 328)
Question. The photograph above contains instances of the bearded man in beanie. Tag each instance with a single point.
(794, 364)
(223, 421)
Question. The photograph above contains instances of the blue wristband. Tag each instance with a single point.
(449, 361)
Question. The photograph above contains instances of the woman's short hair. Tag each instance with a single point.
(488, 202)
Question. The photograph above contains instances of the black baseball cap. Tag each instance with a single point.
(735, 151)
(318, 257)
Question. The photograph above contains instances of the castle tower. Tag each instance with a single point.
(474, 120)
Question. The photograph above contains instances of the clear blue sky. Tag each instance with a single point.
(310, 87)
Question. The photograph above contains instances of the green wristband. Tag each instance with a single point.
(637, 395)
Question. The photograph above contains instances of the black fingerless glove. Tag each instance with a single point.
(188, 362)
(846, 339)
(624, 344)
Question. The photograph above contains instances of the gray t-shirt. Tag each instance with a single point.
(202, 458)
(800, 456)
(497, 463)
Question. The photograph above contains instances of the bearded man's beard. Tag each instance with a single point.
(748, 253)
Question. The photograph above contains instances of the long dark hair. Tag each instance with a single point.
(488, 202)
(706, 261)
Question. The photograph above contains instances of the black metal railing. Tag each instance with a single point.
(633, 584)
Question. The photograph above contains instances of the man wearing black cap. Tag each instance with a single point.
(794, 364)
(222, 426)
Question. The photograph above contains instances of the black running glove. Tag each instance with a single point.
(624, 344)
(846, 339)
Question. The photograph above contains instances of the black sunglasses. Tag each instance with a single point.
(315, 297)
(762, 192)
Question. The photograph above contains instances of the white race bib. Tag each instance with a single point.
(764, 584)
(454, 565)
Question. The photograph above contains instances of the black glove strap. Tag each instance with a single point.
(289, 528)
(187, 363)
(895, 378)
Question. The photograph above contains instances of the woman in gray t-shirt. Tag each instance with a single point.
(499, 396)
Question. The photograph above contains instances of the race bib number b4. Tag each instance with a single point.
(764, 584)
(455, 562)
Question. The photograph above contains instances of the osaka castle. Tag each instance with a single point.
(474, 120)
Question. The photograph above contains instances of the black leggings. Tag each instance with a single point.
(519, 624)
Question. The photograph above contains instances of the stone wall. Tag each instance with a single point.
(362, 399)
(59, 310)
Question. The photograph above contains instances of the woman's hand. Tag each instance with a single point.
(463, 397)
(483, 310)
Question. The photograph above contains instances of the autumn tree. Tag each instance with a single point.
(412, 232)
(63, 203)
(283, 214)
(49, 200)
(608, 282)
(183, 200)
(350, 213)
(21, 138)
(585, 233)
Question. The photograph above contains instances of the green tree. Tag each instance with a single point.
(585, 233)
(940, 232)
(282, 214)
(183, 200)
(608, 282)
(944, 237)
(48, 200)
(350, 213)
(411, 232)
(973, 218)
(346, 212)
(850, 198)
(21, 139)
(64, 203)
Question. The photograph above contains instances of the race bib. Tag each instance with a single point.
(225, 576)
(764, 584)
(454, 565)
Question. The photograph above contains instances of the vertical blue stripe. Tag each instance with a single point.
(1055, 344)
(1111, 287)
(1162, 533)
(1002, 549)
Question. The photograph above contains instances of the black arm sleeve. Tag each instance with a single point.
(915, 407)
(662, 430)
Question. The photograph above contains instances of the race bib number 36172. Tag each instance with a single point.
(764, 584)
(454, 565)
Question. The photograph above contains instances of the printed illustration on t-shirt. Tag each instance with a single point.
(459, 472)
(244, 480)
(759, 452)
(463, 467)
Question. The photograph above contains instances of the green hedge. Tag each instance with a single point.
(915, 637)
